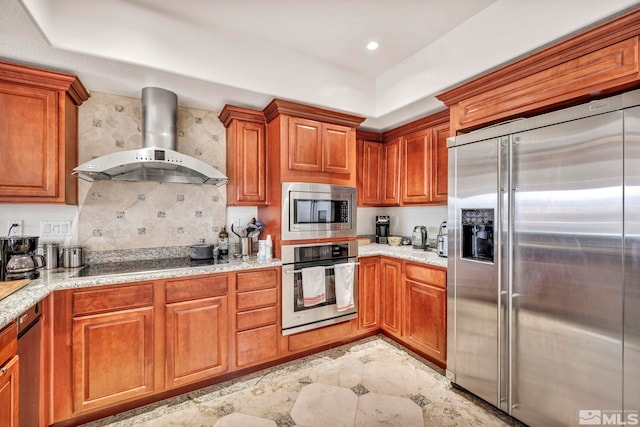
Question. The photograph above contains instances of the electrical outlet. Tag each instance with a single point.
(17, 230)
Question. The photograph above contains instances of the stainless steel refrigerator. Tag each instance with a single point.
(544, 264)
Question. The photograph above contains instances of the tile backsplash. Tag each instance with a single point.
(129, 215)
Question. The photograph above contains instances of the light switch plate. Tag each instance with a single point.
(55, 228)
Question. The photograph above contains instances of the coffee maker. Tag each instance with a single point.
(18, 259)
(382, 228)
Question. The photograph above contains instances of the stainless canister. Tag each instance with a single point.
(51, 253)
(72, 256)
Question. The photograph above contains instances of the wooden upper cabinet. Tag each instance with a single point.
(409, 168)
(316, 145)
(599, 61)
(246, 156)
(337, 151)
(319, 147)
(440, 164)
(38, 134)
(391, 172)
(416, 168)
(305, 145)
(369, 173)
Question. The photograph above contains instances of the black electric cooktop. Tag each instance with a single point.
(148, 265)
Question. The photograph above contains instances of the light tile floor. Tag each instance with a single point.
(369, 383)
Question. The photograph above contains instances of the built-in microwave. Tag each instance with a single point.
(316, 211)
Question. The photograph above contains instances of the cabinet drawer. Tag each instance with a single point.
(256, 318)
(256, 299)
(97, 300)
(256, 345)
(317, 337)
(257, 280)
(424, 274)
(8, 342)
(196, 288)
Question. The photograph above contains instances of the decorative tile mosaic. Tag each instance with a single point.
(130, 215)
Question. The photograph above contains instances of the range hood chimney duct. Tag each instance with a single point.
(158, 159)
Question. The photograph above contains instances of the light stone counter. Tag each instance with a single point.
(403, 252)
(62, 278)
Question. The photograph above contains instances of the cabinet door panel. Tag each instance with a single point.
(197, 334)
(440, 162)
(305, 145)
(369, 293)
(256, 345)
(28, 131)
(372, 177)
(112, 357)
(416, 168)
(250, 183)
(336, 141)
(9, 393)
(391, 173)
(391, 295)
(425, 323)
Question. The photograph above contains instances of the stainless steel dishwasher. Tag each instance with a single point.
(29, 351)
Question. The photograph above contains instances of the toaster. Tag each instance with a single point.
(442, 240)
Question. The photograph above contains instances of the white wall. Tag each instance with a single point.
(31, 215)
(402, 219)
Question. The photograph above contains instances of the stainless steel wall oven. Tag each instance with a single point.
(298, 317)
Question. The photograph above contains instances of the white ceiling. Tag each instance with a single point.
(245, 52)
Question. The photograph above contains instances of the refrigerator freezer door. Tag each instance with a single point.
(566, 319)
(632, 260)
(473, 298)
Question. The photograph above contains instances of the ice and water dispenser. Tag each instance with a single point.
(477, 234)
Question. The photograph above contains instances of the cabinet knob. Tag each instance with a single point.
(4, 370)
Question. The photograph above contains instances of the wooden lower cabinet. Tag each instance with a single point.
(391, 295)
(112, 357)
(412, 303)
(196, 340)
(9, 377)
(196, 328)
(369, 294)
(257, 320)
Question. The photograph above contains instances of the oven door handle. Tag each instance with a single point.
(326, 268)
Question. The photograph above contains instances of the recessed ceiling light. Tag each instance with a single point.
(372, 45)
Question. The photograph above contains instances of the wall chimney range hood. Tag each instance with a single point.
(158, 159)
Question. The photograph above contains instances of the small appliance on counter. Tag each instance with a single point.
(419, 237)
(201, 251)
(51, 253)
(442, 240)
(18, 258)
(383, 223)
(72, 256)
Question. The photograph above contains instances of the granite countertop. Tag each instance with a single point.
(62, 278)
(403, 252)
